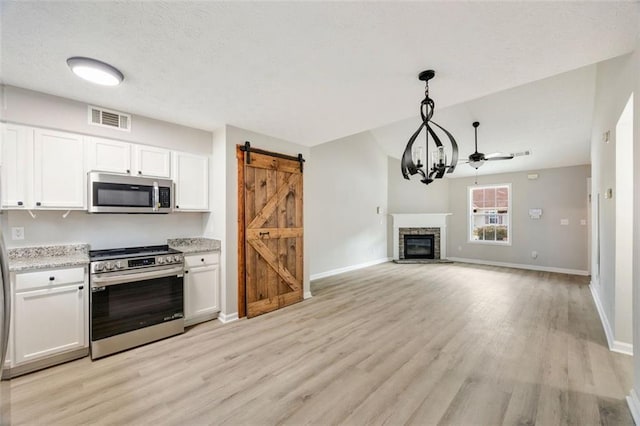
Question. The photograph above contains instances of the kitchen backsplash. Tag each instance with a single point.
(99, 231)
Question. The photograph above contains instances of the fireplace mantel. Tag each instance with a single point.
(417, 220)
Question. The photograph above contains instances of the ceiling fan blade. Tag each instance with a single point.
(499, 157)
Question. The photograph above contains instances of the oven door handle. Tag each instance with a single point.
(97, 281)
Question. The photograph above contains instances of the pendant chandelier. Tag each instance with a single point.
(413, 156)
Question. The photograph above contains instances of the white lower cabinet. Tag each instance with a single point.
(201, 287)
(50, 318)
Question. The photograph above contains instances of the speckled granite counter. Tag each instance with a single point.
(194, 245)
(43, 257)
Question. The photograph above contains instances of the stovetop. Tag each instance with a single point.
(128, 252)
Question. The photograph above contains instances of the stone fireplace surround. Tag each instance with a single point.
(422, 221)
(419, 231)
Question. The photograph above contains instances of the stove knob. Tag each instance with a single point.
(109, 266)
(160, 260)
(119, 265)
(169, 259)
(99, 266)
(176, 258)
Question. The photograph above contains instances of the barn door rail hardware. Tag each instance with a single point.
(247, 148)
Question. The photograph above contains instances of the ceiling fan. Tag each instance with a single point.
(477, 159)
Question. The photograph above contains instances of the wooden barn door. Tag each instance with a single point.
(273, 233)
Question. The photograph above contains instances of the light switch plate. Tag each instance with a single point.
(564, 221)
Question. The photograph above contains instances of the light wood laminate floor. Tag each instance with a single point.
(390, 344)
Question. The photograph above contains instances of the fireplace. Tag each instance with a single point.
(419, 243)
(419, 246)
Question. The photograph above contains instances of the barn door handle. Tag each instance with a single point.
(262, 234)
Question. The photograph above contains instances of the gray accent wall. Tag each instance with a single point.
(413, 196)
(561, 193)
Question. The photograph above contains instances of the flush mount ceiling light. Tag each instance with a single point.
(95, 71)
(413, 156)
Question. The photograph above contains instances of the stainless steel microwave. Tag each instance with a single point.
(110, 193)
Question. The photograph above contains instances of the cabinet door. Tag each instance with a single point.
(105, 155)
(59, 178)
(152, 162)
(191, 173)
(17, 151)
(49, 321)
(202, 289)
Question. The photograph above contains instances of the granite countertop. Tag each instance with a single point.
(43, 257)
(194, 245)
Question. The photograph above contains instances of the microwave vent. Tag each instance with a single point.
(111, 119)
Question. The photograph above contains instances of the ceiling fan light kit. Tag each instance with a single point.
(412, 157)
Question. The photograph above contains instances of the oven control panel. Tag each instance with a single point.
(139, 262)
(136, 263)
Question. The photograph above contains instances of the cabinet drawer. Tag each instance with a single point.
(201, 259)
(29, 280)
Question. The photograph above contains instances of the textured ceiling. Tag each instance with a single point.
(308, 72)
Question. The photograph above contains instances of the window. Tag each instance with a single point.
(490, 214)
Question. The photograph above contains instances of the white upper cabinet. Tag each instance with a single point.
(59, 177)
(191, 175)
(17, 151)
(104, 155)
(151, 161)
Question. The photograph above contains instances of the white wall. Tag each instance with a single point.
(635, 84)
(614, 84)
(39, 109)
(624, 225)
(236, 136)
(347, 183)
(215, 223)
(561, 193)
(100, 231)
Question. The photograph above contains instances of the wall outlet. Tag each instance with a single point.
(17, 233)
(459, 248)
(534, 254)
(564, 221)
(583, 222)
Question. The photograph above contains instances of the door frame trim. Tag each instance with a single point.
(242, 279)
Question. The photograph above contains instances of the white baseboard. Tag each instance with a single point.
(634, 406)
(308, 295)
(614, 345)
(622, 347)
(603, 317)
(521, 266)
(227, 318)
(348, 268)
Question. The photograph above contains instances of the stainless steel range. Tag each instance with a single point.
(137, 296)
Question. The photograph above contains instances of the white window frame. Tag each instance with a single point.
(470, 216)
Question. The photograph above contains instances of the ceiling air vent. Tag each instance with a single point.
(107, 118)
